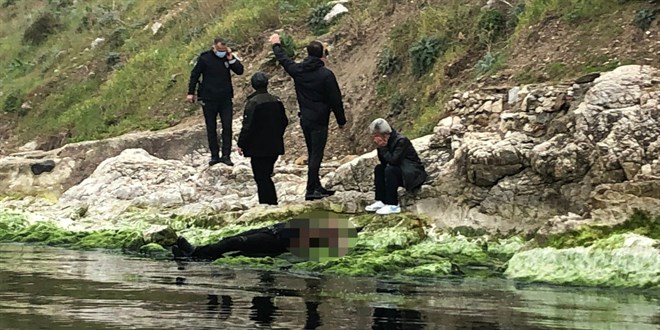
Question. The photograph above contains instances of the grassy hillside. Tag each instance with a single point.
(56, 87)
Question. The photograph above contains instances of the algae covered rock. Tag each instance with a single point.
(154, 250)
(621, 260)
(160, 234)
(265, 263)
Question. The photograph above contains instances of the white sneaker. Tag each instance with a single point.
(389, 209)
(374, 207)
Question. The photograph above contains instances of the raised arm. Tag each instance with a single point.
(281, 57)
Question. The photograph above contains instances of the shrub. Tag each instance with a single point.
(424, 54)
(492, 24)
(288, 44)
(13, 102)
(388, 62)
(316, 19)
(397, 103)
(44, 26)
(644, 18)
(112, 60)
(486, 63)
(117, 38)
(8, 3)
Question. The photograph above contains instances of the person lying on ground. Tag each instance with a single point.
(290, 236)
(400, 166)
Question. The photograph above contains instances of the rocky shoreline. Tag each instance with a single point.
(556, 184)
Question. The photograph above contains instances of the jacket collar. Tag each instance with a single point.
(257, 92)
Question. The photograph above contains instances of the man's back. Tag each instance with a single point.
(317, 89)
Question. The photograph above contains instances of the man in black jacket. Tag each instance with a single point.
(399, 166)
(262, 136)
(215, 94)
(318, 94)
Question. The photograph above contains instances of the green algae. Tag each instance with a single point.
(621, 260)
(264, 263)
(15, 228)
(155, 251)
(640, 222)
(430, 270)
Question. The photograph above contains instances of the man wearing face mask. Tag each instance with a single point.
(215, 94)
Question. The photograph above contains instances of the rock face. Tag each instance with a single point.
(555, 157)
(513, 161)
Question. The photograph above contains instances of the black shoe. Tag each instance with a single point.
(226, 161)
(317, 194)
(182, 248)
(326, 191)
(214, 161)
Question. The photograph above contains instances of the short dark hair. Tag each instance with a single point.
(315, 48)
(219, 41)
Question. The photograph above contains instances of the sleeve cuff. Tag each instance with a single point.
(232, 61)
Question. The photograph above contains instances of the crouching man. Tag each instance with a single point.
(399, 166)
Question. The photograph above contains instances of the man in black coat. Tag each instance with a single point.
(215, 94)
(262, 136)
(399, 166)
(318, 94)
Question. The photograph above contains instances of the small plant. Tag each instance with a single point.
(644, 18)
(317, 21)
(486, 63)
(44, 26)
(113, 60)
(424, 54)
(117, 38)
(397, 104)
(8, 3)
(13, 102)
(492, 24)
(288, 44)
(388, 62)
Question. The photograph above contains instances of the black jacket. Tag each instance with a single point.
(316, 88)
(400, 152)
(264, 122)
(216, 77)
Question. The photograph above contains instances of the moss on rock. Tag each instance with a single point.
(265, 263)
(621, 260)
(154, 250)
(640, 222)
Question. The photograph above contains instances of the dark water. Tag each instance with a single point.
(48, 288)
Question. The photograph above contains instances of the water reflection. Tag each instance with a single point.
(54, 288)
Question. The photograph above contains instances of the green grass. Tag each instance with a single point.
(71, 87)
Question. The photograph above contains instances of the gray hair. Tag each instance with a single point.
(380, 126)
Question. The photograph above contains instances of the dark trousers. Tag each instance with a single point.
(211, 111)
(387, 179)
(315, 138)
(252, 243)
(262, 169)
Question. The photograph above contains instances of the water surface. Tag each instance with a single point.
(52, 288)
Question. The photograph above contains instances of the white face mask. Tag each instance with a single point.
(220, 54)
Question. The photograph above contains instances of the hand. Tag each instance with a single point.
(191, 98)
(275, 39)
(380, 141)
(229, 55)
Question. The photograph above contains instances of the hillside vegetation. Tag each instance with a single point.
(60, 83)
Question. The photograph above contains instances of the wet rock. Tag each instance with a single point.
(161, 235)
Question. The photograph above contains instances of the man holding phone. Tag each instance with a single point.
(215, 94)
(318, 95)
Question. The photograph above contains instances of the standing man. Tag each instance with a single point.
(215, 95)
(318, 94)
(262, 136)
